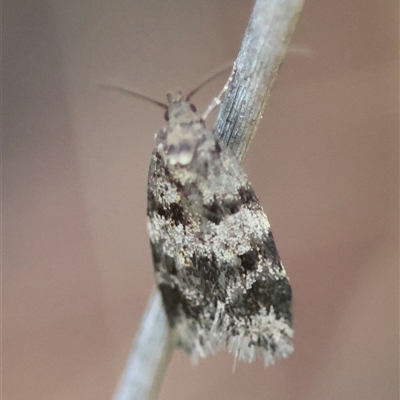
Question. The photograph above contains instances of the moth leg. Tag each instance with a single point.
(217, 100)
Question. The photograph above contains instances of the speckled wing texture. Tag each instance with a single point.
(221, 279)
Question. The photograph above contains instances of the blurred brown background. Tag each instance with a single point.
(77, 273)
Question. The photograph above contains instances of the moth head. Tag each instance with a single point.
(179, 109)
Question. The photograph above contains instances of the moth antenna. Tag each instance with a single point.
(128, 92)
(208, 80)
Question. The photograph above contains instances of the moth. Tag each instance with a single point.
(216, 264)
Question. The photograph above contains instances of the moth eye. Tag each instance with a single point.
(193, 107)
(166, 115)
